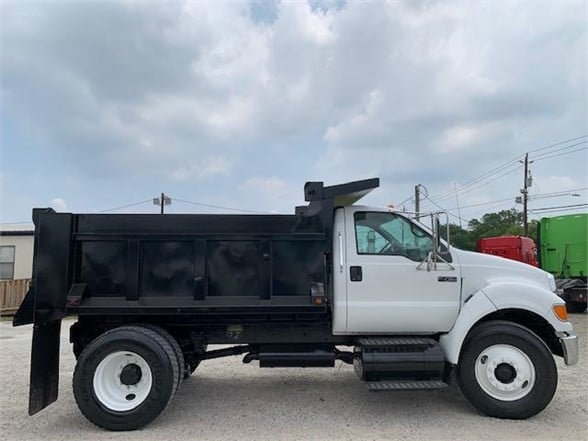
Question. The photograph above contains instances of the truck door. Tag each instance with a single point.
(387, 291)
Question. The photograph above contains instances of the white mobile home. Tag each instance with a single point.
(16, 251)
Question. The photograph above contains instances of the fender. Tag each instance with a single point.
(473, 310)
(507, 295)
(537, 299)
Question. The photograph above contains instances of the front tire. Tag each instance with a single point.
(125, 378)
(506, 371)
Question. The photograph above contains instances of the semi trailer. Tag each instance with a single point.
(563, 244)
(518, 248)
(333, 282)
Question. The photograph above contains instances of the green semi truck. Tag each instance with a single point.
(563, 249)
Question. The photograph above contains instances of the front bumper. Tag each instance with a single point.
(569, 344)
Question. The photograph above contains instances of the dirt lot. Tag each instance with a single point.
(228, 400)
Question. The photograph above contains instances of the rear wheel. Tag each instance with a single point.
(506, 371)
(175, 347)
(125, 378)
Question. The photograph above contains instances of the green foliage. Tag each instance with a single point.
(503, 223)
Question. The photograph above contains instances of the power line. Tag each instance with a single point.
(447, 211)
(561, 207)
(558, 210)
(484, 182)
(482, 204)
(218, 206)
(560, 154)
(495, 208)
(560, 149)
(558, 143)
(482, 177)
(481, 184)
(545, 196)
(125, 206)
(531, 197)
(404, 201)
(559, 192)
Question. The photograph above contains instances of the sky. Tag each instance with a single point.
(235, 105)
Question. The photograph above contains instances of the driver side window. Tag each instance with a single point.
(369, 241)
(384, 233)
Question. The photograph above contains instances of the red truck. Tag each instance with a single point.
(518, 248)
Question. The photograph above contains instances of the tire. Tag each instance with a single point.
(506, 371)
(117, 398)
(175, 347)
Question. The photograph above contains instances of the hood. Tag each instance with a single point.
(480, 270)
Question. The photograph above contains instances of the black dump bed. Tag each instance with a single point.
(186, 263)
(193, 263)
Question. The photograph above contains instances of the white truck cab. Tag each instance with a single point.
(384, 283)
(497, 320)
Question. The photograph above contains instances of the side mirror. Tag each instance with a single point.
(437, 235)
(436, 227)
(435, 257)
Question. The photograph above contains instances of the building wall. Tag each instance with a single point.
(23, 254)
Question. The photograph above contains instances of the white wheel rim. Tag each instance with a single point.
(508, 359)
(110, 390)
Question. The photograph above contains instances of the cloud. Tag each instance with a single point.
(202, 169)
(424, 91)
(273, 193)
(58, 205)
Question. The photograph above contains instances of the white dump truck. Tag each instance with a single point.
(152, 292)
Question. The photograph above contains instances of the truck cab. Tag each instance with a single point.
(381, 283)
(385, 282)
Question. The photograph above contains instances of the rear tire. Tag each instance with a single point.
(125, 378)
(175, 347)
(506, 371)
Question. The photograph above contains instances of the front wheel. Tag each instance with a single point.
(506, 371)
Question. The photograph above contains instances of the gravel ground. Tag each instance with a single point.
(226, 399)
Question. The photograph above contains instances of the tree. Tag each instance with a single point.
(503, 223)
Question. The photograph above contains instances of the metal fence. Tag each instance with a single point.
(12, 293)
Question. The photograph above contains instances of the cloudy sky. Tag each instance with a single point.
(237, 104)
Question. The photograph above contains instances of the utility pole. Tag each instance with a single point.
(162, 201)
(417, 200)
(526, 184)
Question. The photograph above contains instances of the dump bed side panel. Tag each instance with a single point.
(195, 263)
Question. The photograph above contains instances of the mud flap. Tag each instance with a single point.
(26, 311)
(44, 304)
(44, 366)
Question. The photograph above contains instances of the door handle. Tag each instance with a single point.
(355, 273)
(340, 252)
